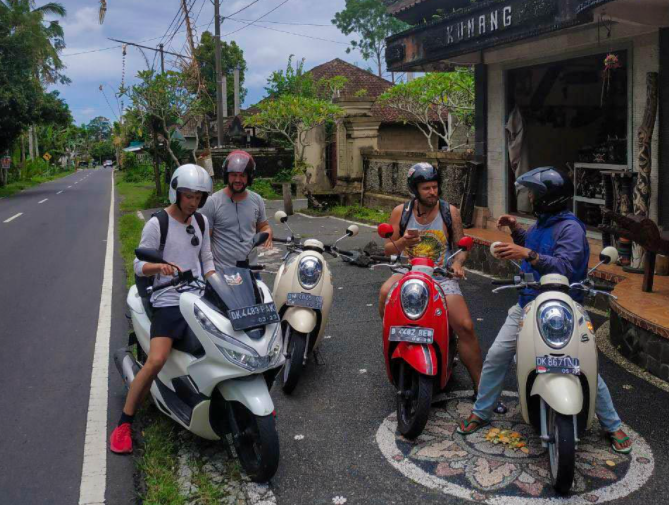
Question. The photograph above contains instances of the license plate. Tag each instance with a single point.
(411, 334)
(558, 364)
(305, 300)
(256, 315)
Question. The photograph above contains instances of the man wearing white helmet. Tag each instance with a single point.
(236, 214)
(184, 242)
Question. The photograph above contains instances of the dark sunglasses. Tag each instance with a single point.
(191, 231)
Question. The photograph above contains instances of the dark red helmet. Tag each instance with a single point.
(240, 162)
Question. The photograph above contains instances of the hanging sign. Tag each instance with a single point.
(6, 162)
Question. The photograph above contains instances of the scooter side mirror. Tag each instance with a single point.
(608, 255)
(149, 255)
(352, 230)
(280, 217)
(385, 230)
(466, 243)
(259, 238)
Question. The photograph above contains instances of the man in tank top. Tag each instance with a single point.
(427, 236)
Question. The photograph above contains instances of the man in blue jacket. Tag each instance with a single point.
(556, 244)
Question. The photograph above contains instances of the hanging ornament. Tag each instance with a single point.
(611, 63)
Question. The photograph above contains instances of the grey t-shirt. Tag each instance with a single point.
(178, 250)
(234, 224)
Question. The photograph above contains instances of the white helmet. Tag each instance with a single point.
(191, 177)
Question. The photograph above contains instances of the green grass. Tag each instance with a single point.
(353, 213)
(158, 464)
(15, 187)
(130, 231)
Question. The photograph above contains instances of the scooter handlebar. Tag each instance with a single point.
(602, 287)
(503, 282)
(181, 277)
(281, 240)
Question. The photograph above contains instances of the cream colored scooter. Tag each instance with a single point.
(303, 296)
(557, 365)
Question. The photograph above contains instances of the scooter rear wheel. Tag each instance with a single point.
(414, 399)
(292, 369)
(561, 450)
(256, 442)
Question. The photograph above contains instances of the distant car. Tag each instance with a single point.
(108, 163)
(83, 163)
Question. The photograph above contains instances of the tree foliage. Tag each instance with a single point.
(293, 117)
(232, 57)
(371, 23)
(439, 104)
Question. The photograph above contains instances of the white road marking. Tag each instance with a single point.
(69, 187)
(140, 215)
(13, 217)
(42, 201)
(94, 468)
(59, 193)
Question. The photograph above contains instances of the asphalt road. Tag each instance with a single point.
(52, 258)
(338, 406)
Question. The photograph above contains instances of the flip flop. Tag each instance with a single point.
(480, 423)
(625, 450)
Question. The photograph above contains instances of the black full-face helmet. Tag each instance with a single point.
(421, 172)
(551, 187)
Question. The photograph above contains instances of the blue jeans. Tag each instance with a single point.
(497, 363)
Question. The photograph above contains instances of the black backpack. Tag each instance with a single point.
(163, 220)
(444, 208)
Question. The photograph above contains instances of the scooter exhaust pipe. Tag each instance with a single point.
(127, 365)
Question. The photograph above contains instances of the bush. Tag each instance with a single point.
(139, 173)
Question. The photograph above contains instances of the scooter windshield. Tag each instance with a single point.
(232, 288)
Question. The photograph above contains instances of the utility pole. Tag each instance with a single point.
(219, 74)
(162, 59)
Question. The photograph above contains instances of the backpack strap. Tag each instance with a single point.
(445, 209)
(164, 222)
(200, 221)
(407, 210)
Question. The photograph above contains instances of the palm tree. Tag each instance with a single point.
(43, 39)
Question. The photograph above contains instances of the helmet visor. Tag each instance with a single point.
(532, 181)
(238, 163)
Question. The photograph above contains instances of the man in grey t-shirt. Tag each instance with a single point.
(235, 213)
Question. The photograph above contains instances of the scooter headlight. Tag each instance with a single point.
(556, 323)
(414, 297)
(309, 271)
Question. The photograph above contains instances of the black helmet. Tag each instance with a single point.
(421, 172)
(552, 189)
(241, 162)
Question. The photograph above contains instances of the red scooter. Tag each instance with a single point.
(418, 344)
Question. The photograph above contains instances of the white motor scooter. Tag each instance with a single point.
(216, 380)
(557, 365)
(303, 296)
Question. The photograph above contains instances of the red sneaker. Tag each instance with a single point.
(120, 441)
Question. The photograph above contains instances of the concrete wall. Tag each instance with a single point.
(399, 137)
(314, 156)
(642, 43)
(386, 175)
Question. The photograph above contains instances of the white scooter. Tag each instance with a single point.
(557, 365)
(303, 296)
(216, 380)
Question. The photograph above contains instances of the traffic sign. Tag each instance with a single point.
(46, 156)
(6, 162)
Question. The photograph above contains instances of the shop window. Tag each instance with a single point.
(572, 115)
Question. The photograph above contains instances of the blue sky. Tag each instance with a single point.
(265, 50)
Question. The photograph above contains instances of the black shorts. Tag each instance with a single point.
(168, 322)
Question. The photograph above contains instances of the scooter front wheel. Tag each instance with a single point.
(561, 450)
(414, 399)
(292, 369)
(256, 442)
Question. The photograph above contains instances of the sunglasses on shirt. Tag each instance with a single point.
(191, 231)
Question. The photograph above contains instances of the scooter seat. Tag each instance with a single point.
(189, 344)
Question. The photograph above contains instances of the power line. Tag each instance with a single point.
(283, 22)
(244, 8)
(253, 22)
(284, 31)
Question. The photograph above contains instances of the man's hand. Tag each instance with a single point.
(507, 220)
(167, 270)
(458, 271)
(410, 239)
(511, 252)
